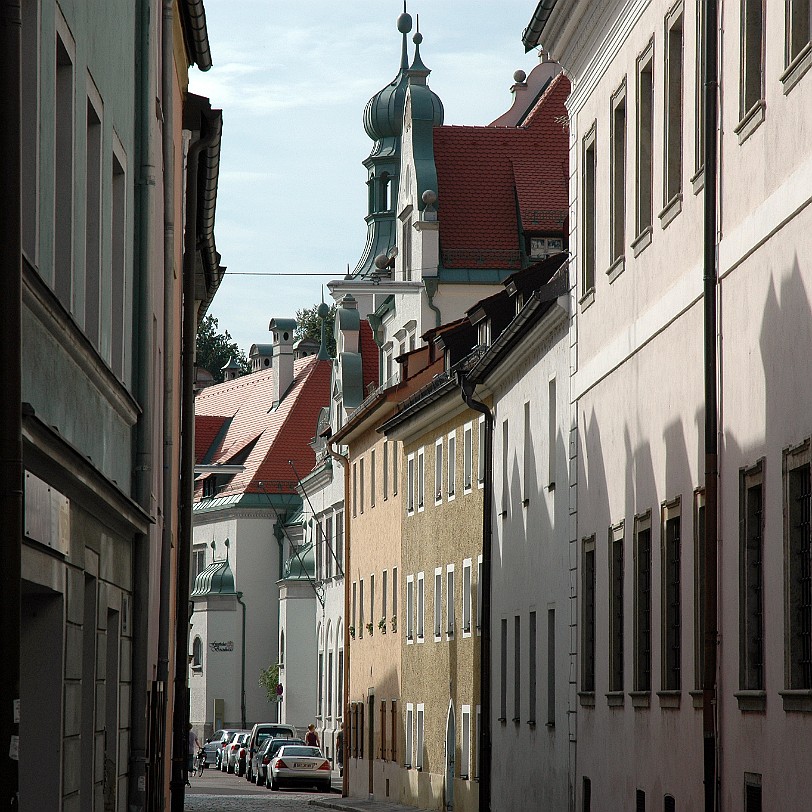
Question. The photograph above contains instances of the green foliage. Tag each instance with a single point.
(269, 679)
(216, 349)
(308, 325)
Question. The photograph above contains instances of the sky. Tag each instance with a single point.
(292, 78)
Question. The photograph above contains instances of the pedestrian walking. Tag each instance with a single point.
(194, 746)
(340, 749)
(311, 737)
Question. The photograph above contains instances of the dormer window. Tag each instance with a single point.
(484, 333)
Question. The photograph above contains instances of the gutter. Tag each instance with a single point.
(196, 34)
(531, 34)
(242, 672)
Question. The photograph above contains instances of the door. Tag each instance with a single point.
(450, 756)
(371, 740)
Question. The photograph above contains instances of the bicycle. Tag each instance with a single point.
(200, 763)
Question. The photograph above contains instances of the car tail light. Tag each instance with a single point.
(280, 765)
(325, 766)
(233, 747)
(266, 760)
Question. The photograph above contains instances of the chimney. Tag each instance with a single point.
(282, 330)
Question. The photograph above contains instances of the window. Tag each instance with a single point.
(410, 483)
(645, 141)
(505, 472)
(618, 177)
(639, 801)
(481, 452)
(354, 603)
(468, 456)
(382, 720)
(330, 551)
(118, 263)
(616, 608)
(517, 668)
(197, 653)
(372, 600)
(29, 142)
(321, 684)
(587, 794)
(372, 478)
(361, 483)
(419, 737)
(671, 610)
(699, 148)
(420, 607)
(355, 489)
(672, 165)
(198, 561)
(319, 542)
(438, 471)
(751, 578)
(551, 667)
(503, 671)
(330, 684)
(798, 573)
(393, 727)
(552, 432)
(527, 456)
(409, 735)
(588, 615)
(752, 792)
(588, 213)
(93, 209)
(476, 735)
(406, 261)
(409, 608)
(340, 682)
(799, 33)
(452, 464)
(479, 594)
(465, 743)
(384, 596)
(394, 468)
(450, 597)
(699, 587)
(642, 603)
(438, 602)
(751, 91)
(421, 478)
(531, 669)
(339, 545)
(466, 597)
(63, 170)
(669, 804)
(361, 608)
(394, 596)
(385, 469)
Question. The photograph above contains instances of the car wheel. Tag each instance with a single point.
(249, 775)
(327, 786)
(274, 785)
(228, 768)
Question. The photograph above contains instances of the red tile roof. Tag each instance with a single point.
(281, 435)
(485, 173)
(206, 429)
(369, 356)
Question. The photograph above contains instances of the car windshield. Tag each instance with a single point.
(300, 751)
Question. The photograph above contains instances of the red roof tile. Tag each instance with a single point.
(485, 173)
(369, 356)
(206, 429)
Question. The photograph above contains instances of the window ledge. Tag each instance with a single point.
(671, 210)
(669, 699)
(640, 699)
(642, 241)
(797, 700)
(754, 701)
(797, 68)
(587, 299)
(586, 699)
(751, 121)
(197, 669)
(616, 269)
(698, 180)
(531, 723)
(698, 698)
(615, 699)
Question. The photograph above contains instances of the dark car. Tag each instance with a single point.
(263, 756)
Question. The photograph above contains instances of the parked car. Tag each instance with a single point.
(232, 750)
(300, 766)
(213, 747)
(263, 756)
(225, 737)
(262, 731)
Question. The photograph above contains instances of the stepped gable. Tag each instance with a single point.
(485, 173)
(279, 435)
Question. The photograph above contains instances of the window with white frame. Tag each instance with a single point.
(93, 215)
(421, 478)
(372, 482)
(588, 212)
(699, 588)
(409, 755)
(421, 605)
(551, 666)
(361, 608)
(394, 468)
(355, 489)
(118, 259)
(395, 596)
(616, 602)
(672, 598)
(410, 483)
(198, 561)
(476, 736)
(384, 597)
(751, 93)
(450, 597)
(527, 455)
(418, 760)
(531, 668)
(372, 601)
(465, 743)
(197, 654)
(617, 178)
(517, 668)
(645, 143)
(751, 578)
(385, 469)
(466, 597)
(438, 471)
(672, 159)
(798, 36)
(552, 432)
(588, 615)
(505, 471)
(503, 655)
(361, 483)
(480, 475)
(353, 626)
(330, 544)
(452, 464)
(438, 602)
(642, 603)
(339, 542)
(479, 594)
(699, 103)
(409, 608)
(467, 463)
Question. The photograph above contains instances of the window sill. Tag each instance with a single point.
(642, 241)
(671, 210)
(586, 300)
(698, 698)
(640, 699)
(752, 701)
(531, 723)
(586, 699)
(669, 699)
(615, 699)
(797, 68)
(698, 180)
(502, 720)
(751, 121)
(196, 669)
(525, 502)
(616, 269)
(797, 700)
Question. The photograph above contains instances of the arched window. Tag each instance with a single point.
(282, 647)
(197, 653)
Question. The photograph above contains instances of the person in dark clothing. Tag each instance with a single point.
(340, 749)
(311, 737)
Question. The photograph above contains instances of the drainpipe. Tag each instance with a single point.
(345, 778)
(180, 711)
(467, 390)
(709, 716)
(139, 780)
(431, 292)
(11, 442)
(242, 677)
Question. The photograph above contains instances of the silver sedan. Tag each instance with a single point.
(300, 766)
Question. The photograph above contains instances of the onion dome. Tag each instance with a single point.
(423, 97)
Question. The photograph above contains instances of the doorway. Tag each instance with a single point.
(450, 756)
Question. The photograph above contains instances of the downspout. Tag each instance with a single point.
(242, 677)
(340, 458)
(139, 780)
(11, 441)
(431, 292)
(709, 716)
(467, 390)
(180, 711)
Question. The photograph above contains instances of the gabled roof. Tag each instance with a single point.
(207, 427)
(282, 434)
(494, 182)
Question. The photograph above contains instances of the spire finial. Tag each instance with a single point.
(404, 26)
(418, 70)
(323, 311)
(227, 544)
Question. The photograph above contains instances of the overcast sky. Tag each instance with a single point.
(292, 78)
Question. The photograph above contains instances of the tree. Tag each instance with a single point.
(269, 679)
(216, 349)
(308, 325)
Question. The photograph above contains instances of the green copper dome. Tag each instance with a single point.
(216, 579)
(302, 566)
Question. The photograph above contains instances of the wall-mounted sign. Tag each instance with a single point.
(221, 645)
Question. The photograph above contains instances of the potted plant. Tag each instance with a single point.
(352, 632)
(382, 625)
(370, 627)
(394, 622)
